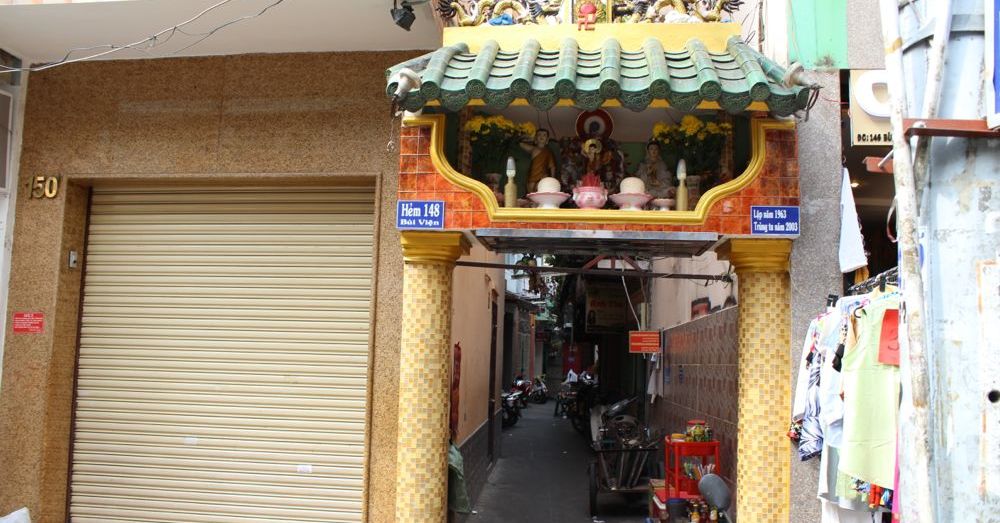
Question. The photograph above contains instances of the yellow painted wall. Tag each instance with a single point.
(470, 326)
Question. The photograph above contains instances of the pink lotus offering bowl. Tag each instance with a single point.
(590, 197)
(548, 200)
(630, 201)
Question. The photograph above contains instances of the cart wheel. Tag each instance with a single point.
(592, 470)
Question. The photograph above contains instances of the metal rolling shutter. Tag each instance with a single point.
(223, 356)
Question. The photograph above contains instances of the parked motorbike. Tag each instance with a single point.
(717, 493)
(565, 396)
(611, 422)
(511, 411)
(584, 398)
(524, 386)
(539, 392)
(623, 447)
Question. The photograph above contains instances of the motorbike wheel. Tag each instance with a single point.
(507, 419)
(580, 423)
(592, 471)
(540, 397)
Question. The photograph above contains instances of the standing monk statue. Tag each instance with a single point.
(543, 162)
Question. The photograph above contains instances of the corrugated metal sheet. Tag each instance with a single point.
(223, 356)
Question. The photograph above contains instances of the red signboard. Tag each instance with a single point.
(28, 322)
(644, 342)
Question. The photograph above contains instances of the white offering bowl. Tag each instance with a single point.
(549, 185)
(632, 185)
(548, 200)
(664, 204)
(630, 201)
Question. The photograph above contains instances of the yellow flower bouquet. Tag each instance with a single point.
(698, 142)
(492, 137)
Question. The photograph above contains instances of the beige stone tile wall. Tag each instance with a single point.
(261, 119)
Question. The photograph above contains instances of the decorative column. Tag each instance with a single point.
(424, 363)
(763, 468)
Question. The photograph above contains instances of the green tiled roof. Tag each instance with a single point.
(684, 78)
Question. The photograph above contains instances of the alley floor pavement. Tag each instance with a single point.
(541, 477)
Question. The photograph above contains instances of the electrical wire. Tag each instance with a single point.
(630, 306)
(753, 15)
(208, 34)
(145, 44)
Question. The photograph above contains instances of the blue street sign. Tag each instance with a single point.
(419, 214)
(781, 221)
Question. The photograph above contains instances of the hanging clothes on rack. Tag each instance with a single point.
(836, 488)
(871, 397)
(805, 409)
(847, 401)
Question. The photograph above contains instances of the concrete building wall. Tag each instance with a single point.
(815, 265)
(301, 118)
(864, 30)
(476, 291)
(472, 309)
(671, 298)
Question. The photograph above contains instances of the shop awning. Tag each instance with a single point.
(734, 78)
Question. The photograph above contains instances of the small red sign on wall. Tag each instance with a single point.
(28, 322)
(644, 342)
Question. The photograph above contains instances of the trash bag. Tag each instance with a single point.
(458, 493)
(18, 516)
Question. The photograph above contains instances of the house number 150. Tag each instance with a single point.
(45, 187)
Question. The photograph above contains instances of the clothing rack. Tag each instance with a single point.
(889, 277)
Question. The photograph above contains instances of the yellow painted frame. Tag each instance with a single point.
(714, 35)
(758, 128)
(655, 104)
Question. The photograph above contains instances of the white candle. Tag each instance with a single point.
(510, 190)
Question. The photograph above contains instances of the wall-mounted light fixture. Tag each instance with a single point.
(402, 12)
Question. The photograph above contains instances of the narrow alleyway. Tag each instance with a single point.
(541, 477)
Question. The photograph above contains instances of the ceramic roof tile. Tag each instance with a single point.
(685, 77)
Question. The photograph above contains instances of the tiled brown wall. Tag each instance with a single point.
(703, 377)
(267, 119)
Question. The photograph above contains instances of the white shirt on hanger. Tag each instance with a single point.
(852, 244)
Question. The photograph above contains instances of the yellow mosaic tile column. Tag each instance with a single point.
(424, 375)
(763, 468)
